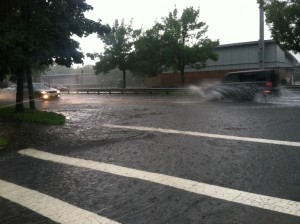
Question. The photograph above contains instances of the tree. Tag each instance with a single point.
(118, 46)
(41, 32)
(283, 19)
(148, 58)
(175, 43)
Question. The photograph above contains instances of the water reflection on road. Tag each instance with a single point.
(209, 92)
(197, 96)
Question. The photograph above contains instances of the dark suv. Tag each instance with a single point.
(248, 85)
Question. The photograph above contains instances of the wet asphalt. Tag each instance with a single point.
(265, 169)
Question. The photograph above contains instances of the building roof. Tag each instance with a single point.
(243, 43)
(231, 45)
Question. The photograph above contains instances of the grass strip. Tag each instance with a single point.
(35, 116)
(3, 142)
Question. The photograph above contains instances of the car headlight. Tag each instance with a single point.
(58, 91)
(43, 92)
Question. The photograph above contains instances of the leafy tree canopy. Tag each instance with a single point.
(149, 57)
(118, 45)
(176, 42)
(40, 32)
(185, 40)
(283, 19)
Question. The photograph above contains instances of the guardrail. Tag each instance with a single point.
(129, 90)
(294, 88)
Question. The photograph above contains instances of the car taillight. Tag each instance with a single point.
(267, 92)
(269, 84)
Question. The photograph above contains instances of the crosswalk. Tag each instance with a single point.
(50, 207)
(64, 212)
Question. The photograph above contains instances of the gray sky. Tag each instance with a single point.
(230, 21)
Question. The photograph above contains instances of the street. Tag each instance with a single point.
(153, 159)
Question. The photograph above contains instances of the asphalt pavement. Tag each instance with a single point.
(153, 159)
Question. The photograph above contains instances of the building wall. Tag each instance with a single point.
(232, 57)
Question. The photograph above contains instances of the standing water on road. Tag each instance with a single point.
(213, 91)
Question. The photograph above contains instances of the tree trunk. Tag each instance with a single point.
(124, 79)
(30, 88)
(19, 108)
(182, 78)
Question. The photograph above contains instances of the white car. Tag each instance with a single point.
(41, 91)
(44, 92)
(12, 88)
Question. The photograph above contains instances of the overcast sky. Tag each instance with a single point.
(230, 21)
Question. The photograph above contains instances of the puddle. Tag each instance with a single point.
(211, 91)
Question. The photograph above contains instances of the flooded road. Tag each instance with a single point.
(157, 159)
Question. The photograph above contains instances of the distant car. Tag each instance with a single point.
(41, 91)
(248, 85)
(44, 92)
(61, 87)
(12, 88)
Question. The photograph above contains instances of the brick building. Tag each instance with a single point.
(232, 57)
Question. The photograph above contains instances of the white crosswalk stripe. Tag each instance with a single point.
(52, 208)
(232, 195)
(207, 135)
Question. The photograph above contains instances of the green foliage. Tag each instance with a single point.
(107, 62)
(35, 116)
(174, 43)
(40, 32)
(185, 40)
(3, 142)
(283, 19)
(118, 46)
(148, 57)
(117, 50)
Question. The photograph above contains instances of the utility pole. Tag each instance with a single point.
(261, 44)
(81, 78)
